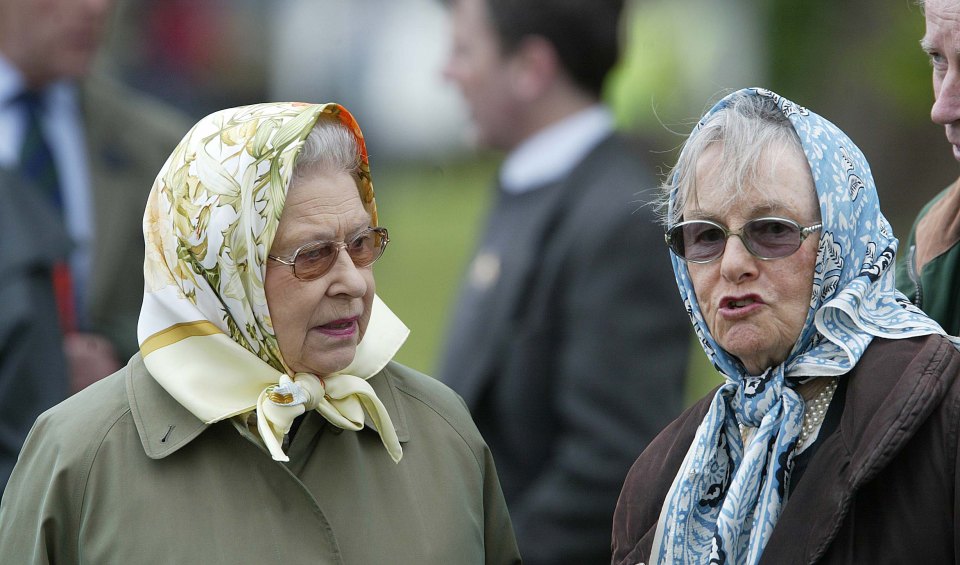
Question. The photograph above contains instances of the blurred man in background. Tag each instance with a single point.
(569, 349)
(929, 273)
(79, 155)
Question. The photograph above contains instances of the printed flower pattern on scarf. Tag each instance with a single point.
(826, 273)
(219, 197)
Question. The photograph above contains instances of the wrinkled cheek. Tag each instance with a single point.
(710, 317)
(362, 324)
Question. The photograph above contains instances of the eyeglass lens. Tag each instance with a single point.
(765, 237)
(316, 259)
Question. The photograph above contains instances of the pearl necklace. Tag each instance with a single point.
(815, 410)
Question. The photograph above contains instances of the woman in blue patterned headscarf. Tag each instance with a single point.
(785, 264)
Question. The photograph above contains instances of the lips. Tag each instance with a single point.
(735, 306)
(339, 324)
(339, 328)
(739, 303)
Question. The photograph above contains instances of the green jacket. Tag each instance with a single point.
(122, 473)
(937, 289)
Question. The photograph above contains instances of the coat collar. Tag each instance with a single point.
(165, 425)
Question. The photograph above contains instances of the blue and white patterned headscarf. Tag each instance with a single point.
(727, 496)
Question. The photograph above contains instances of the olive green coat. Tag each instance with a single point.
(122, 473)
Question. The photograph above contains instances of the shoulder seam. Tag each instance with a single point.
(454, 427)
(89, 468)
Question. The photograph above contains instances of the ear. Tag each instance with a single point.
(536, 67)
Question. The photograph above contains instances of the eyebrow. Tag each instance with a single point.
(348, 233)
(928, 47)
(761, 209)
(354, 227)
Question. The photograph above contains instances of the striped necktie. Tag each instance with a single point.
(38, 167)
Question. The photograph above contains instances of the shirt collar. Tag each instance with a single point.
(554, 151)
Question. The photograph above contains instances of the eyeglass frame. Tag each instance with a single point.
(291, 260)
(805, 232)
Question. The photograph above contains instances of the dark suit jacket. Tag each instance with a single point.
(33, 370)
(129, 137)
(569, 345)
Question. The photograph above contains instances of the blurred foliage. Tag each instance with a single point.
(816, 46)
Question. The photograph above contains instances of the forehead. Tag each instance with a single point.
(942, 19)
(781, 185)
(322, 206)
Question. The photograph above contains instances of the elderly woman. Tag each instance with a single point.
(263, 420)
(834, 438)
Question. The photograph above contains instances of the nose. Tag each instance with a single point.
(946, 104)
(346, 278)
(737, 264)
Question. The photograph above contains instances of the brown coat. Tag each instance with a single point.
(881, 489)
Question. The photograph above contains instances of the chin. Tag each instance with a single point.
(750, 352)
(329, 363)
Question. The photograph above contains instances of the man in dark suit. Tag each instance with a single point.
(569, 341)
(80, 155)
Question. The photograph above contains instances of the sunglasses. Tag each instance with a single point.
(702, 241)
(313, 260)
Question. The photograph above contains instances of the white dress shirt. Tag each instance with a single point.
(551, 153)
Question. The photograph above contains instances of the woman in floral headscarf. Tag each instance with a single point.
(834, 438)
(263, 420)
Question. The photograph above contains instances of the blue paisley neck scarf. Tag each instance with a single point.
(727, 496)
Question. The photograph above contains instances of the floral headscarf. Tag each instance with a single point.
(727, 496)
(205, 331)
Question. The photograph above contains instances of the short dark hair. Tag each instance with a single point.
(585, 33)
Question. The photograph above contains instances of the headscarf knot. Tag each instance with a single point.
(340, 398)
(757, 395)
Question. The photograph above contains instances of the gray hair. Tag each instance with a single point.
(330, 147)
(743, 129)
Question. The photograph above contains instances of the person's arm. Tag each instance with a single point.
(40, 509)
(621, 367)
